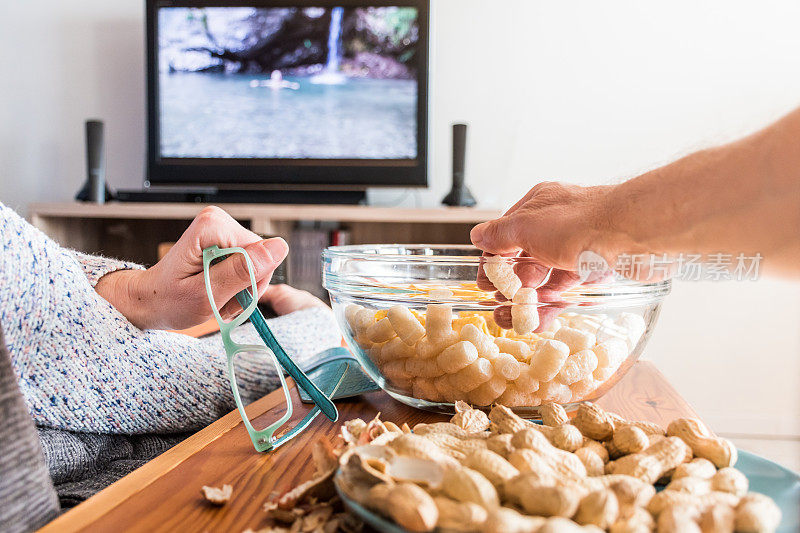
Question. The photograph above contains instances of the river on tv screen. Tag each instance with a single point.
(310, 83)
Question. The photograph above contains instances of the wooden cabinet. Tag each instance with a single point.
(133, 231)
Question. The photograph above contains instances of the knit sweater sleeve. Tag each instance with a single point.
(82, 366)
(95, 266)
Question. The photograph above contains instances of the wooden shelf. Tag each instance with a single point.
(134, 230)
(339, 213)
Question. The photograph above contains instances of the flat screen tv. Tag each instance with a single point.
(274, 94)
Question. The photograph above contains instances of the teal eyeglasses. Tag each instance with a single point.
(265, 439)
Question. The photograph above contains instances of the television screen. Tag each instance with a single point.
(288, 82)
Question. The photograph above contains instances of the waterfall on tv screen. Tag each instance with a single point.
(331, 74)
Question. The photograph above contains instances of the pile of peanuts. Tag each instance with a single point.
(498, 473)
(441, 357)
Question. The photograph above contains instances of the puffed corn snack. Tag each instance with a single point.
(441, 357)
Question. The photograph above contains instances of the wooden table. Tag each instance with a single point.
(164, 494)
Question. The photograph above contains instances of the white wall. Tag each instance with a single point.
(584, 91)
(64, 62)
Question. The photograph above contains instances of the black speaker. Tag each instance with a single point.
(459, 195)
(95, 189)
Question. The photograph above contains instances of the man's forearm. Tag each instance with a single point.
(740, 197)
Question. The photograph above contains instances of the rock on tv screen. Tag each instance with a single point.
(287, 83)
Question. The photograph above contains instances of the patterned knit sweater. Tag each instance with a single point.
(82, 366)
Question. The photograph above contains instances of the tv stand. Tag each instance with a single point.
(133, 231)
(224, 196)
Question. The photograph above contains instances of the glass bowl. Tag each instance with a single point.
(423, 330)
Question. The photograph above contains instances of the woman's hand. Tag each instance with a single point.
(171, 294)
(285, 299)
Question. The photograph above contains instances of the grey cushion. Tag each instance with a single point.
(27, 497)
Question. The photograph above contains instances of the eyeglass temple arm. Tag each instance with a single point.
(257, 319)
(333, 385)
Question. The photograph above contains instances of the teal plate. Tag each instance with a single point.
(766, 477)
(777, 482)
